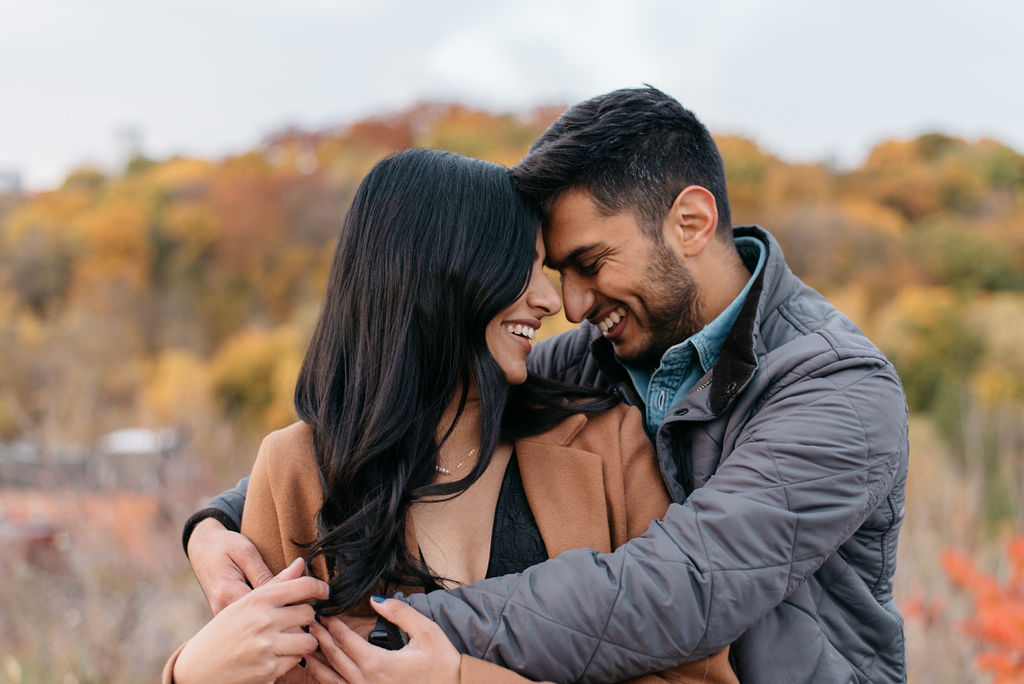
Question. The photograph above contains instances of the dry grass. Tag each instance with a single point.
(118, 595)
(110, 601)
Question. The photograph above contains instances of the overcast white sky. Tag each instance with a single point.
(807, 79)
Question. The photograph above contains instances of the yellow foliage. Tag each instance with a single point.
(917, 309)
(29, 331)
(1000, 321)
(250, 372)
(177, 387)
(281, 410)
(118, 244)
(50, 212)
(193, 226)
(181, 172)
(863, 211)
(891, 154)
(501, 139)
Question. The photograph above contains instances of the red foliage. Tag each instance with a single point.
(998, 620)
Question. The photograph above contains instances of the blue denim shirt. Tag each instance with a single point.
(683, 364)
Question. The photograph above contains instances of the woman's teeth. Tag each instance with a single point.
(614, 317)
(522, 330)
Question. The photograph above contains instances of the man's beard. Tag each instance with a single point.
(672, 305)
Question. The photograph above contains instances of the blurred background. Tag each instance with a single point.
(173, 177)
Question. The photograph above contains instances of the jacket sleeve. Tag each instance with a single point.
(804, 473)
(562, 357)
(226, 507)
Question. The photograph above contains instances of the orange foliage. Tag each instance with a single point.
(998, 621)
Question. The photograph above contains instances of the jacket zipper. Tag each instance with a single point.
(701, 386)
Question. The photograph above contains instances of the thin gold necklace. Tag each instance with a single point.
(445, 471)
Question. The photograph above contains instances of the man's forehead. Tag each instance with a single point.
(569, 223)
(576, 227)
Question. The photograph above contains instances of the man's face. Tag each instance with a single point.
(638, 292)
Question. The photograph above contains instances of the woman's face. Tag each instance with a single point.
(510, 334)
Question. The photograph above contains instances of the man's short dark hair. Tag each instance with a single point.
(631, 149)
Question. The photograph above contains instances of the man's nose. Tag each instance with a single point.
(577, 299)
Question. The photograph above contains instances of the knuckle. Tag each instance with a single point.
(268, 670)
(262, 621)
(263, 645)
(221, 597)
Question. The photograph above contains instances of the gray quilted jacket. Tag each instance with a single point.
(788, 461)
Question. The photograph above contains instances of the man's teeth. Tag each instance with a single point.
(522, 330)
(611, 319)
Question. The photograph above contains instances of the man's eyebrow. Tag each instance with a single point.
(573, 257)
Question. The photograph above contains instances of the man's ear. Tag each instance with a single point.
(692, 221)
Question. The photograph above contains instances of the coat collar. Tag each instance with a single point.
(565, 488)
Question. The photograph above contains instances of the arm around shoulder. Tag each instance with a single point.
(806, 468)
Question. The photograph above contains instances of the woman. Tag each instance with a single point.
(426, 455)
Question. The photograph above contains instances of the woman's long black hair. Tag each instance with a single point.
(434, 246)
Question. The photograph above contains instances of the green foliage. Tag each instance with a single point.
(956, 253)
(932, 344)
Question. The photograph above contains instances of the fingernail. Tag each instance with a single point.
(377, 598)
(297, 560)
(305, 628)
(302, 663)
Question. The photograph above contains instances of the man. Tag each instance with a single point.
(780, 430)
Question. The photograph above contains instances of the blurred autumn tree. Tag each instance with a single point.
(125, 286)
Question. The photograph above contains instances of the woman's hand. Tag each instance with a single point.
(257, 638)
(428, 658)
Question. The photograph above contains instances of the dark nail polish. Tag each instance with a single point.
(377, 598)
(302, 663)
(305, 628)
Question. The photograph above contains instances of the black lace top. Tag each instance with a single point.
(516, 543)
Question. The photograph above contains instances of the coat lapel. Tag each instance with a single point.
(565, 489)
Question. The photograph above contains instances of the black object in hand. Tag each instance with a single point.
(386, 635)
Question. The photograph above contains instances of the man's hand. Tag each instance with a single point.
(225, 563)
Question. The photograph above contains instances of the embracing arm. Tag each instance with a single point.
(226, 508)
(226, 564)
(804, 474)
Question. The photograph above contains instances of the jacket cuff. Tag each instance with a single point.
(226, 507)
(199, 516)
